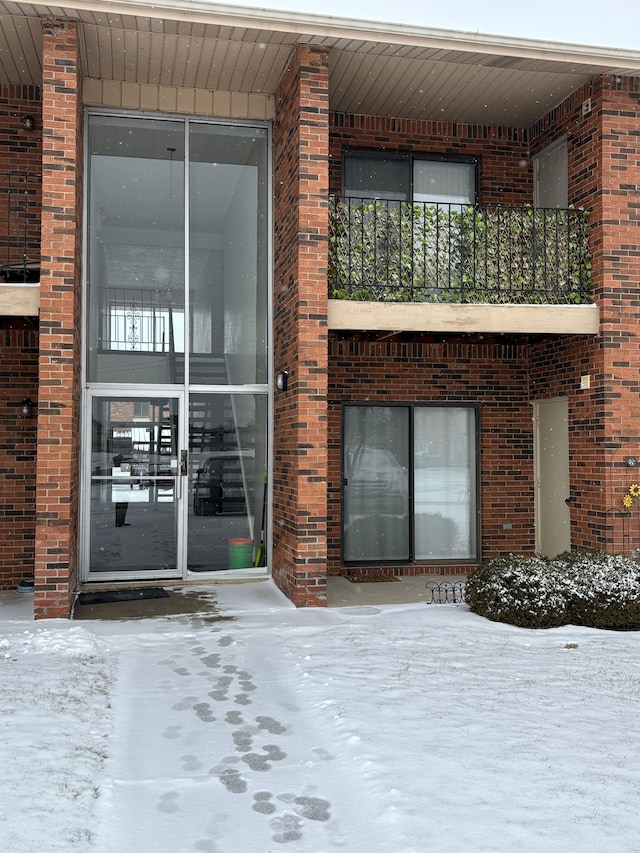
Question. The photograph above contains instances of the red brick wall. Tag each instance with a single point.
(557, 366)
(56, 562)
(19, 367)
(493, 375)
(604, 176)
(300, 327)
(20, 151)
(505, 169)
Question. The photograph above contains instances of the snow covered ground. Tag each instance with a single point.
(395, 729)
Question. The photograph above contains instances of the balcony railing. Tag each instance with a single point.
(20, 206)
(389, 251)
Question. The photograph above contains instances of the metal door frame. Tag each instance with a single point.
(181, 498)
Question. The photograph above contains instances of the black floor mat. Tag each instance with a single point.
(113, 595)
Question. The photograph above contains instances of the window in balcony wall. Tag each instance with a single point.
(372, 176)
(404, 177)
(410, 484)
(444, 182)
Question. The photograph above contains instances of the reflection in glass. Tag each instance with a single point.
(387, 490)
(137, 268)
(444, 483)
(376, 485)
(227, 453)
(136, 250)
(227, 259)
(134, 466)
(177, 300)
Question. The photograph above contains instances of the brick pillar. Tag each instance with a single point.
(56, 547)
(301, 139)
(618, 283)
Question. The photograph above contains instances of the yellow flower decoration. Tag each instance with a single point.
(627, 500)
(634, 490)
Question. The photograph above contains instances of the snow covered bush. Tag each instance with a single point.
(588, 588)
(517, 589)
(603, 590)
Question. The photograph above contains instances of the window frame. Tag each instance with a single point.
(412, 561)
(410, 157)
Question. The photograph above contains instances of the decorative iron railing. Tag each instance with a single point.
(20, 206)
(389, 251)
(445, 592)
(135, 320)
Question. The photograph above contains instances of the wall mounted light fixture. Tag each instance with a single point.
(26, 405)
(282, 380)
(28, 122)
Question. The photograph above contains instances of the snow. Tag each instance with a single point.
(381, 729)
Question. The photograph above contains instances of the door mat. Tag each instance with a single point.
(373, 578)
(114, 595)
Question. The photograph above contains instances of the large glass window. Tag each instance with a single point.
(176, 319)
(437, 180)
(228, 254)
(409, 483)
(162, 283)
(136, 241)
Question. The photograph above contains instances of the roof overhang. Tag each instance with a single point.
(375, 68)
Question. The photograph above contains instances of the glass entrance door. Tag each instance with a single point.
(137, 474)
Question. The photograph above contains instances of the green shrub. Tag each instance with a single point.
(519, 590)
(603, 590)
(588, 588)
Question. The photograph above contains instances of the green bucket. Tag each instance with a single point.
(240, 553)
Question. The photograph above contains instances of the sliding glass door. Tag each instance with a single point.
(410, 484)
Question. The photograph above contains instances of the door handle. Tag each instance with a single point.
(184, 463)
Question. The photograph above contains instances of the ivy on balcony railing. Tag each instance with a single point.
(389, 251)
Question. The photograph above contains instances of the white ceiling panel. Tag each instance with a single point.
(442, 90)
(407, 72)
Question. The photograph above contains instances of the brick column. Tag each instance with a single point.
(301, 139)
(56, 547)
(619, 282)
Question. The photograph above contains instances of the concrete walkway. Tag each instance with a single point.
(201, 599)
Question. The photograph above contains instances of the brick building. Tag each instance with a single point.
(299, 296)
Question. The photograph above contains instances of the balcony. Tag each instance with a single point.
(20, 205)
(414, 266)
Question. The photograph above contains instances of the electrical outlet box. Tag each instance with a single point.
(585, 382)
(586, 106)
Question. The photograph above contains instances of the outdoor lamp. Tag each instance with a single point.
(25, 407)
(28, 122)
(282, 380)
